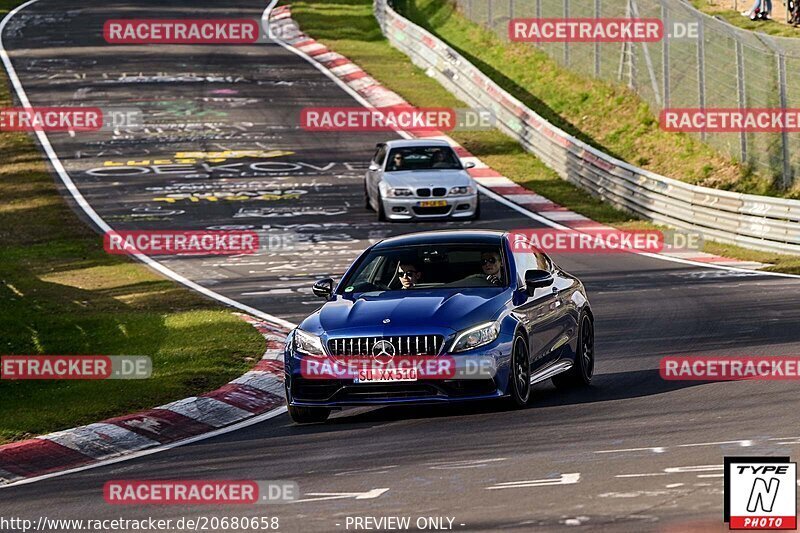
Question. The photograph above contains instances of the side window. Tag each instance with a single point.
(530, 260)
(380, 155)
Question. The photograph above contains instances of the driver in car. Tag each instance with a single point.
(397, 161)
(492, 267)
(409, 274)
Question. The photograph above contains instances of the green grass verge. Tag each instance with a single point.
(771, 27)
(349, 27)
(60, 293)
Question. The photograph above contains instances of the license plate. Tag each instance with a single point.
(433, 203)
(387, 375)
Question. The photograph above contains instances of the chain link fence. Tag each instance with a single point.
(715, 66)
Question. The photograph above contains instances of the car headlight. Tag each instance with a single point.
(461, 190)
(308, 344)
(475, 337)
(389, 191)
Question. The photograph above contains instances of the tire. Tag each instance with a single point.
(366, 197)
(477, 214)
(381, 212)
(308, 415)
(580, 375)
(519, 377)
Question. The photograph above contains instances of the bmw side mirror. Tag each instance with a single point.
(536, 279)
(373, 167)
(323, 288)
(469, 165)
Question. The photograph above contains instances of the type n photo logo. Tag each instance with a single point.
(760, 493)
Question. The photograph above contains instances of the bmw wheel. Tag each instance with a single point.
(580, 375)
(520, 375)
(381, 212)
(366, 197)
(477, 213)
(308, 415)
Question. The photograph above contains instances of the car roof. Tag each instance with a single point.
(407, 143)
(443, 237)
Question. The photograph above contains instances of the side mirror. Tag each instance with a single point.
(469, 165)
(323, 288)
(373, 167)
(535, 279)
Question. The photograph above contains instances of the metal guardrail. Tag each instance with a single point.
(757, 222)
(702, 62)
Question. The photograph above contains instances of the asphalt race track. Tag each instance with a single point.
(647, 453)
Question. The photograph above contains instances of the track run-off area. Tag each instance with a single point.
(633, 452)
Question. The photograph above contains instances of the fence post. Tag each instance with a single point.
(597, 43)
(786, 172)
(538, 9)
(566, 44)
(787, 167)
(740, 93)
(665, 52)
(701, 68)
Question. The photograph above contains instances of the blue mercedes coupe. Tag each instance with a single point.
(448, 296)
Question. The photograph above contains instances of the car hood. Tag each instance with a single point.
(408, 312)
(428, 178)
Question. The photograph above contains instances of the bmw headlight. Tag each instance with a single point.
(308, 344)
(460, 191)
(399, 191)
(475, 337)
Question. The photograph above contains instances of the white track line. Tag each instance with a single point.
(91, 213)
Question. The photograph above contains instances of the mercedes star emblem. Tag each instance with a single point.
(383, 349)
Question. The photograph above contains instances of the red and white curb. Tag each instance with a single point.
(255, 393)
(283, 26)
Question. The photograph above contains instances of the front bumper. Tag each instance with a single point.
(302, 391)
(408, 208)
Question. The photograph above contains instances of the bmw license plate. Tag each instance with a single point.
(433, 203)
(386, 375)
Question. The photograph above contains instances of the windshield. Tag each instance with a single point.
(429, 267)
(422, 158)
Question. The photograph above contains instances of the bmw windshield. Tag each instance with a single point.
(428, 267)
(423, 158)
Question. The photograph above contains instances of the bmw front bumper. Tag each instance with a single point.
(408, 208)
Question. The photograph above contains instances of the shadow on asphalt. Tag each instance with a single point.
(606, 387)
